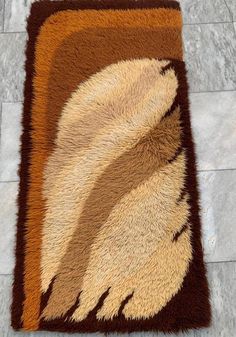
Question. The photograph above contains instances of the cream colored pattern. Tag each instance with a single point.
(92, 107)
(76, 163)
(134, 251)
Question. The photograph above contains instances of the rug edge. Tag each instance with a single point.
(33, 30)
(59, 5)
(34, 23)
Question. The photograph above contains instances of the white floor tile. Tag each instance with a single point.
(199, 11)
(210, 51)
(10, 141)
(8, 210)
(213, 118)
(218, 195)
(12, 47)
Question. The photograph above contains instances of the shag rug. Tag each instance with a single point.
(109, 235)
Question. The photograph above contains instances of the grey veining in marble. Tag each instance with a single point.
(8, 207)
(6, 330)
(1, 14)
(203, 11)
(232, 7)
(222, 280)
(10, 141)
(210, 51)
(214, 127)
(12, 66)
(16, 12)
(218, 195)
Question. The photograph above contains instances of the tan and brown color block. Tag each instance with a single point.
(109, 235)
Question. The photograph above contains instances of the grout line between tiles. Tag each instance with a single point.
(3, 16)
(8, 181)
(217, 170)
(12, 102)
(6, 274)
(211, 91)
(234, 26)
(214, 262)
(20, 32)
(206, 23)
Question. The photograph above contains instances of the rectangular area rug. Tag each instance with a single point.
(108, 235)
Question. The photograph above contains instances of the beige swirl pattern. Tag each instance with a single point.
(113, 196)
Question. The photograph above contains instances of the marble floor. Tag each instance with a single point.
(210, 51)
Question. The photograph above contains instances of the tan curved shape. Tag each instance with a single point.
(126, 173)
(83, 158)
(134, 251)
(91, 108)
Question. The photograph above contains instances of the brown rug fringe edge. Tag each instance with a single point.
(40, 11)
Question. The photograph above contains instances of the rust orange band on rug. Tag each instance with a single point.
(108, 178)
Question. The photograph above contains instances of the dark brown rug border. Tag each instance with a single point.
(40, 11)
